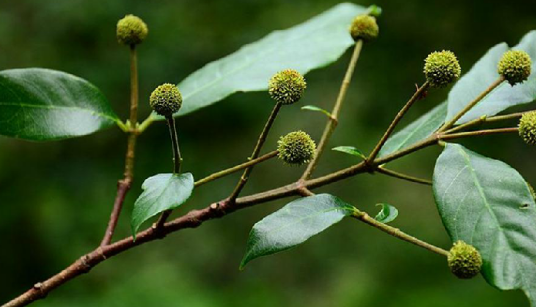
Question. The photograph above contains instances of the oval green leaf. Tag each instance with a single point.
(416, 131)
(486, 203)
(387, 214)
(312, 44)
(483, 74)
(294, 224)
(41, 104)
(316, 109)
(160, 193)
(350, 150)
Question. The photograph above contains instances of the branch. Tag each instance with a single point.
(471, 104)
(333, 119)
(262, 138)
(123, 185)
(364, 217)
(418, 95)
(403, 176)
(477, 133)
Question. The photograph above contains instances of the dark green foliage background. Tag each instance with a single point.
(55, 198)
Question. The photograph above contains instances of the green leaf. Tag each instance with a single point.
(350, 150)
(160, 193)
(387, 214)
(40, 104)
(483, 74)
(313, 44)
(416, 131)
(316, 109)
(294, 224)
(486, 203)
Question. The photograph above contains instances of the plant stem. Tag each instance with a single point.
(403, 176)
(333, 119)
(177, 160)
(262, 138)
(471, 104)
(236, 168)
(484, 119)
(123, 185)
(364, 217)
(478, 133)
(398, 117)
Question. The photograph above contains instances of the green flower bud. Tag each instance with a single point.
(286, 86)
(527, 127)
(296, 148)
(441, 68)
(364, 27)
(131, 30)
(515, 66)
(464, 260)
(166, 99)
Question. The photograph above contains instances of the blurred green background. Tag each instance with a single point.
(55, 198)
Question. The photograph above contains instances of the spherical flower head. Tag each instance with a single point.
(441, 68)
(527, 127)
(131, 30)
(464, 260)
(515, 66)
(166, 99)
(287, 86)
(364, 27)
(296, 148)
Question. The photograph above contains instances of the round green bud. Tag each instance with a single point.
(131, 30)
(515, 66)
(286, 86)
(364, 27)
(166, 99)
(464, 260)
(296, 148)
(527, 127)
(441, 68)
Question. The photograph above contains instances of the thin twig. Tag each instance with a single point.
(398, 118)
(177, 161)
(403, 176)
(478, 133)
(262, 138)
(236, 168)
(471, 104)
(333, 119)
(484, 119)
(123, 185)
(364, 217)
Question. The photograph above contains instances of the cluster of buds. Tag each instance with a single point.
(464, 260)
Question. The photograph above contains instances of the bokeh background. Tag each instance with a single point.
(55, 198)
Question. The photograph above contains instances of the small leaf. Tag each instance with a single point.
(374, 10)
(41, 104)
(317, 109)
(416, 131)
(387, 214)
(313, 44)
(350, 150)
(483, 74)
(294, 224)
(160, 193)
(488, 204)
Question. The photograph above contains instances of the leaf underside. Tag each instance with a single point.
(41, 104)
(486, 203)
